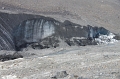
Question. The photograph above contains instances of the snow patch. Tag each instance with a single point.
(106, 39)
(79, 38)
(10, 77)
(76, 26)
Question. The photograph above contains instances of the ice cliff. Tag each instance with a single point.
(21, 30)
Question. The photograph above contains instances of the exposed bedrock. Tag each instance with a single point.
(21, 30)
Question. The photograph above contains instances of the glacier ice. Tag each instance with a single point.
(106, 39)
(21, 30)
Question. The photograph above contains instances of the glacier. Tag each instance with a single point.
(18, 31)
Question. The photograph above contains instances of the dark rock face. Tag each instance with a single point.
(65, 75)
(61, 74)
(6, 57)
(19, 30)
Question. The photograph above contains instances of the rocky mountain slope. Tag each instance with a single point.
(105, 13)
(64, 62)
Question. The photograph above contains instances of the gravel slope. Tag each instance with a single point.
(89, 62)
(104, 13)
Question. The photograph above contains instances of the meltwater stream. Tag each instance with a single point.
(21, 30)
